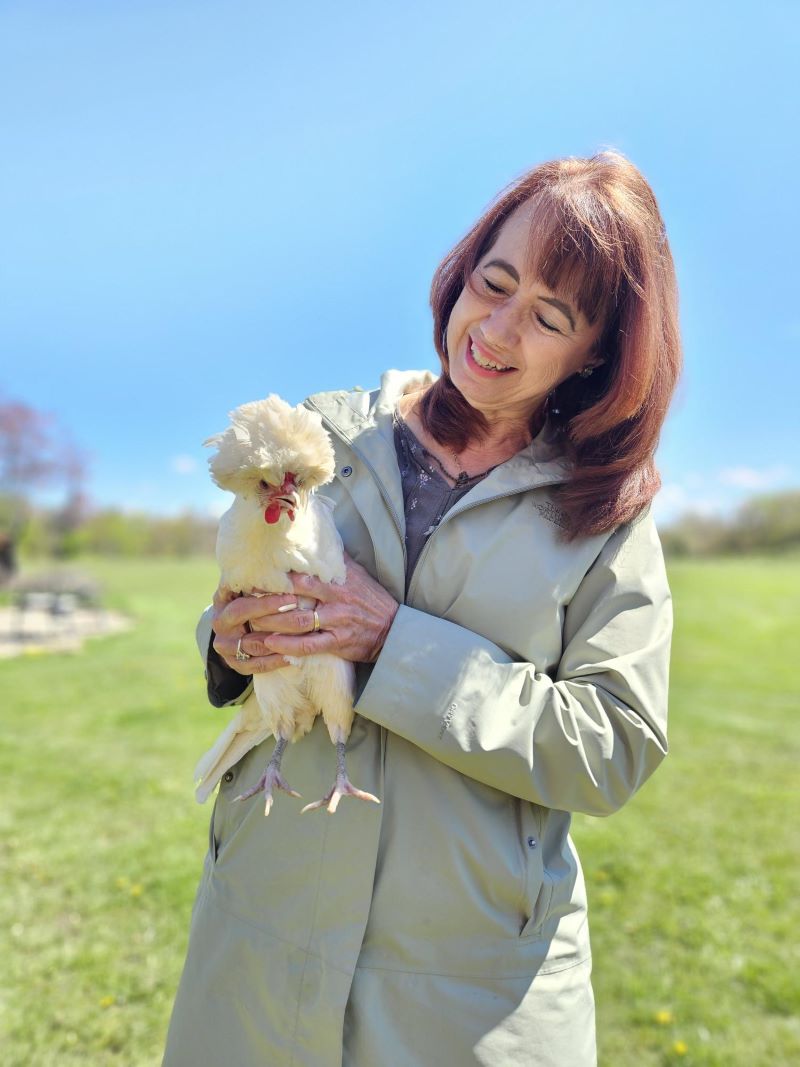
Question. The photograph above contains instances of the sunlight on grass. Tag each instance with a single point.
(693, 887)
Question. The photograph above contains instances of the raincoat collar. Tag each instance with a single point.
(365, 421)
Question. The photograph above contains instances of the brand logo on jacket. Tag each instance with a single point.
(552, 513)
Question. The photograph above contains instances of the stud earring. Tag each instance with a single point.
(587, 372)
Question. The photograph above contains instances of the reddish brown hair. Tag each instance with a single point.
(598, 237)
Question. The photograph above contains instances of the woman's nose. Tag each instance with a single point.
(500, 328)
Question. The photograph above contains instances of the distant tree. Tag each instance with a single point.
(34, 451)
(28, 454)
(771, 522)
(767, 523)
(695, 535)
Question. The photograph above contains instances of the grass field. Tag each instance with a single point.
(693, 887)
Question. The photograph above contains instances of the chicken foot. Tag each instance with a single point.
(271, 778)
(342, 787)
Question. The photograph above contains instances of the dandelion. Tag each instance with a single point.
(107, 1001)
(136, 890)
(123, 883)
(664, 1017)
(680, 1048)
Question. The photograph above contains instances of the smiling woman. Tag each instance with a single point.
(506, 604)
(571, 264)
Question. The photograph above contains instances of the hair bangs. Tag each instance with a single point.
(574, 258)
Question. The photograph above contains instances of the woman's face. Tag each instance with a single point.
(510, 340)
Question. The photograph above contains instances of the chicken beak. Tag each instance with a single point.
(292, 499)
(280, 503)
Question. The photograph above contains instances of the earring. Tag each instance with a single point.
(587, 372)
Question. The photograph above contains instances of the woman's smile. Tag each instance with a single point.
(484, 363)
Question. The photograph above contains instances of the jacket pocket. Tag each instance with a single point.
(538, 891)
(212, 838)
(217, 821)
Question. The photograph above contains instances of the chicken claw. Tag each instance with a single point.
(342, 787)
(271, 779)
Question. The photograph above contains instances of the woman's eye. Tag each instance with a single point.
(547, 325)
(491, 286)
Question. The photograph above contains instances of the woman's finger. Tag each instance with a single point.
(252, 644)
(311, 586)
(257, 664)
(223, 595)
(308, 644)
(246, 608)
(291, 622)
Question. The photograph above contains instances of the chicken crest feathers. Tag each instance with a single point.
(266, 439)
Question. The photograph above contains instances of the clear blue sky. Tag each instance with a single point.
(201, 203)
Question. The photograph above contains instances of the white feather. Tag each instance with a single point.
(266, 440)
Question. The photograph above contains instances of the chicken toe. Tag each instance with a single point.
(342, 787)
(271, 779)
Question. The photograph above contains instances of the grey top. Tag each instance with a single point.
(427, 497)
(427, 493)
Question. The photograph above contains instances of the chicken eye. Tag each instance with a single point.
(264, 484)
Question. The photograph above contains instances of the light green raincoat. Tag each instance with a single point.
(523, 678)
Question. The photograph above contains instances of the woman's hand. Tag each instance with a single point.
(233, 619)
(354, 619)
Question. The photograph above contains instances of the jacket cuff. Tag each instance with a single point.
(223, 684)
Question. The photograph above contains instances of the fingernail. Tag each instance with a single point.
(286, 607)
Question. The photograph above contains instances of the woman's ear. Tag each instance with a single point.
(596, 358)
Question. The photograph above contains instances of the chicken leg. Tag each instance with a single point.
(342, 787)
(271, 778)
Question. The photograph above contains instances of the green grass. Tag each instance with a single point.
(103, 839)
(693, 886)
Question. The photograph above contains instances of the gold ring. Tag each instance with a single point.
(241, 655)
(316, 622)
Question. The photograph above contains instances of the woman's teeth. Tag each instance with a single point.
(482, 361)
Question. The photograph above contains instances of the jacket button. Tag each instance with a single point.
(531, 842)
(227, 776)
(346, 472)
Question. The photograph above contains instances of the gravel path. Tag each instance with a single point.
(35, 632)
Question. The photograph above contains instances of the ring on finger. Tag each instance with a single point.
(316, 622)
(241, 655)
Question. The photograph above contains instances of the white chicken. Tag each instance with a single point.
(273, 457)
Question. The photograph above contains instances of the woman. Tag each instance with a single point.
(507, 603)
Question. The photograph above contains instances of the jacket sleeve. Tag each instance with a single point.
(584, 739)
(224, 686)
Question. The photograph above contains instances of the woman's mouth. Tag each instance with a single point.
(484, 364)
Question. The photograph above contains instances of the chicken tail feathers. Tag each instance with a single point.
(227, 750)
